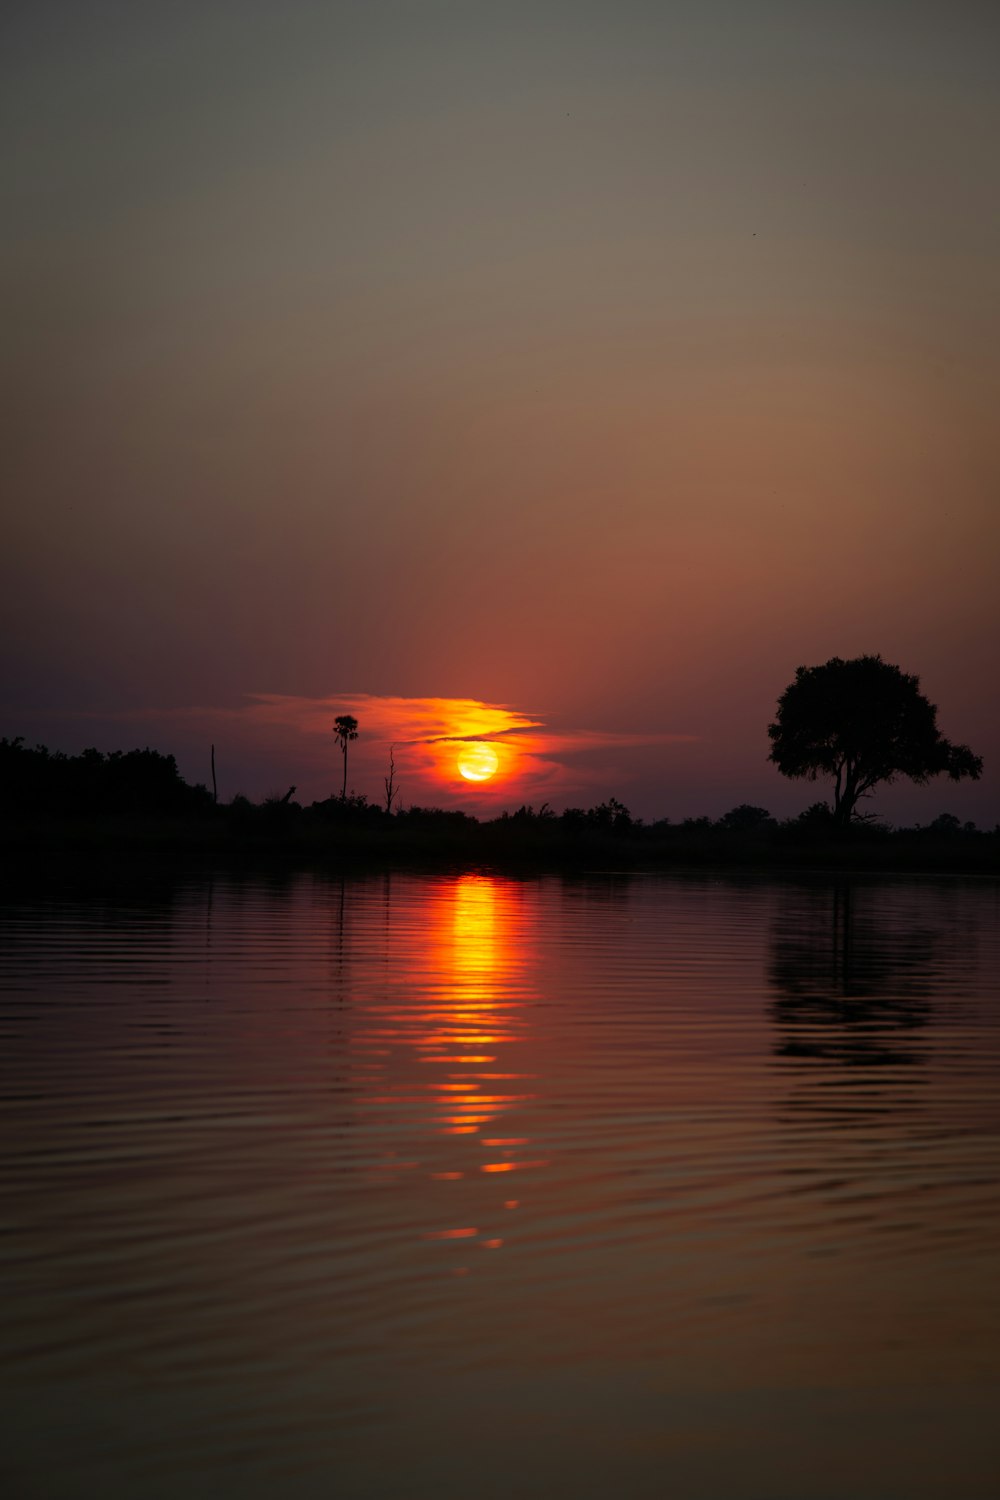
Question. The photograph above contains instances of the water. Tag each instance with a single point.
(437, 1186)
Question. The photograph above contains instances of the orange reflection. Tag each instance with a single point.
(456, 996)
(440, 1034)
(477, 928)
(476, 945)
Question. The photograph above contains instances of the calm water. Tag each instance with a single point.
(469, 1186)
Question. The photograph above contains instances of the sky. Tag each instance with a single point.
(597, 364)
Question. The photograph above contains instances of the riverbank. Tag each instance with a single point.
(456, 841)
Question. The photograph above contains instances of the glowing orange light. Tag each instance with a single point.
(473, 951)
(477, 761)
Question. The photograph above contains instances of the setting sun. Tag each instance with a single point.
(477, 762)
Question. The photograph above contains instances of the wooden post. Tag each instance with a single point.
(215, 789)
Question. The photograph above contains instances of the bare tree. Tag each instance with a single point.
(391, 789)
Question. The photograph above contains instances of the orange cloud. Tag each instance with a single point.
(425, 736)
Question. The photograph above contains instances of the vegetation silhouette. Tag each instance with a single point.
(746, 819)
(36, 782)
(864, 722)
(389, 781)
(345, 728)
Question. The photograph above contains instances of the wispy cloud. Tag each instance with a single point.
(538, 761)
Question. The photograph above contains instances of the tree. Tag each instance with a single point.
(134, 783)
(345, 727)
(391, 789)
(745, 819)
(862, 722)
(610, 814)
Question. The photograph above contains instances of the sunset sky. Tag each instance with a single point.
(589, 365)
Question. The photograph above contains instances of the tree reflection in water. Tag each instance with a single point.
(855, 977)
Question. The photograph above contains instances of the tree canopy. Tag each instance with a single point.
(37, 782)
(864, 722)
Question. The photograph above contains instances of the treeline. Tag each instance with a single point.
(606, 836)
(39, 783)
(138, 798)
(605, 818)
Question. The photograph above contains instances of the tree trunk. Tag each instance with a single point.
(844, 811)
(390, 780)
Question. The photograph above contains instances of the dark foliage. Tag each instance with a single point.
(746, 819)
(863, 722)
(35, 782)
(136, 800)
(527, 814)
(434, 817)
(345, 810)
(608, 816)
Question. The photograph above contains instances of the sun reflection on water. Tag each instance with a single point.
(476, 1015)
(448, 1034)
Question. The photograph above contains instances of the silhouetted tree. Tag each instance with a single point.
(35, 782)
(745, 818)
(345, 727)
(391, 789)
(862, 722)
(816, 816)
(610, 814)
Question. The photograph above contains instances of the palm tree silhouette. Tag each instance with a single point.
(345, 727)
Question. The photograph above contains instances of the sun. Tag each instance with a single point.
(477, 762)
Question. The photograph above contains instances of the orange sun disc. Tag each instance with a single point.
(477, 762)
